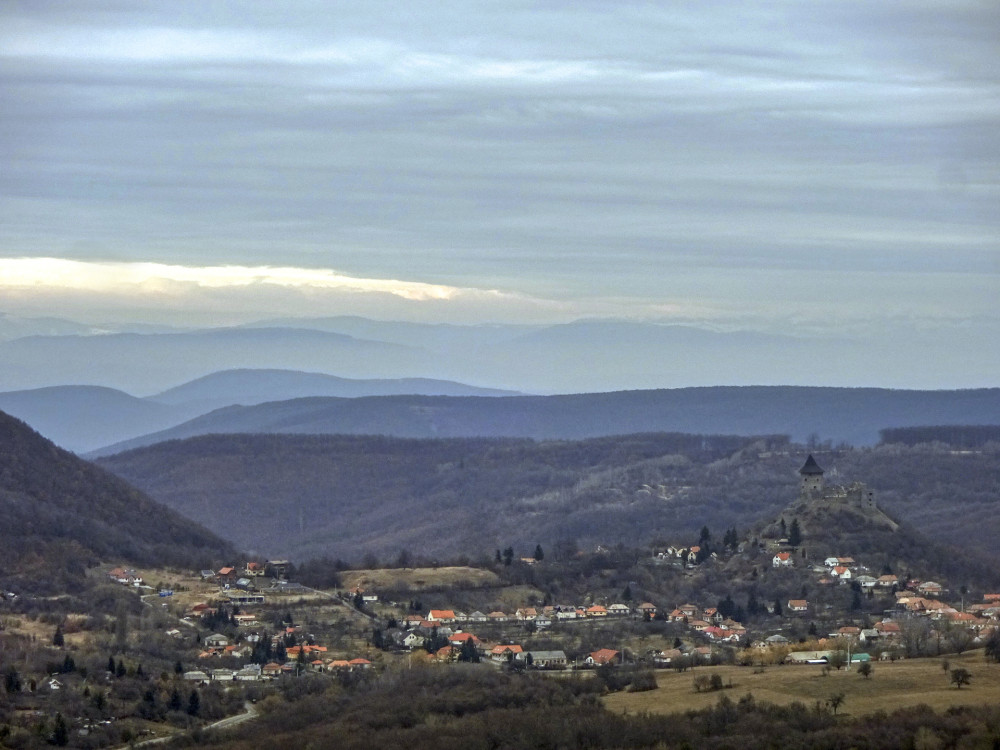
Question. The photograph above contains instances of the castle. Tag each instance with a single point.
(812, 488)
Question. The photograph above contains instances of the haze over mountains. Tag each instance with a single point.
(582, 356)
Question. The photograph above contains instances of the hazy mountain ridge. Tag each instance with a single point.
(256, 386)
(62, 514)
(84, 418)
(854, 416)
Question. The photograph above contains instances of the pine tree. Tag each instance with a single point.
(60, 732)
(57, 639)
(539, 554)
(794, 533)
(194, 703)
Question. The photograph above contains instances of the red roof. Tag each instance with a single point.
(603, 656)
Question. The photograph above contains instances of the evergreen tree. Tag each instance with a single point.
(178, 668)
(784, 529)
(539, 554)
(194, 703)
(175, 703)
(120, 669)
(60, 732)
(794, 533)
(469, 652)
(627, 593)
(777, 606)
(57, 639)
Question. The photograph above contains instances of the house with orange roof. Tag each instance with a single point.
(601, 657)
(782, 560)
(505, 652)
(597, 611)
(797, 605)
(441, 615)
(841, 573)
(460, 639)
(647, 608)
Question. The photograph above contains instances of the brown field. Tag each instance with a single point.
(892, 685)
(417, 579)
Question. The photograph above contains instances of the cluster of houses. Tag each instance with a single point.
(709, 622)
(539, 617)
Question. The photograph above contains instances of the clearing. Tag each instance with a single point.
(892, 685)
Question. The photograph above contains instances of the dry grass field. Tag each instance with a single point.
(891, 686)
(417, 579)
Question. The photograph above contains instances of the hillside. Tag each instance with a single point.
(301, 496)
(62, 515)
(851, 415)
(346, 496)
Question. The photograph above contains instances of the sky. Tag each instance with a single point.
(811, 168)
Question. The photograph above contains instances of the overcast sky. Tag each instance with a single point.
(830, 166)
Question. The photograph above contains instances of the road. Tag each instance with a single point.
(249, 712)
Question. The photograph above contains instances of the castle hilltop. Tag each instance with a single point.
(813, 489)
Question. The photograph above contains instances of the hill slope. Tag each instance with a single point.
(299, 496)
(61, 514)
(852, 415)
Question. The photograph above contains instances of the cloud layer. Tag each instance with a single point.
(795, 162)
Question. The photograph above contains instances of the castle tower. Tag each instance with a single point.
(812, 479)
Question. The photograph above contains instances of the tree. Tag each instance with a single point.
(777, 607)
(794, 533)
(627, 593)
(194, 703)
(508, 556)
(865, 669)
(57, 639)
(60, 732)
(175, 703)
(961, 676)
(837, 659)
(539, 554)
(993, 645)
(835, 701)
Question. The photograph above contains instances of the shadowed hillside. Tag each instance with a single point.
(61, 515)
(299, 496)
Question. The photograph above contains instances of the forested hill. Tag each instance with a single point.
(61, 514)
(851, 415)
(301, 496)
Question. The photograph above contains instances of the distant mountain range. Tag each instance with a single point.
(850, 415)
(62, 515)
(85, 418)
(577, 357)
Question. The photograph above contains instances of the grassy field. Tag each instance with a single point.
(417, 579)
(891, 686)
